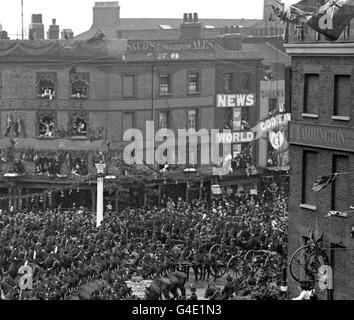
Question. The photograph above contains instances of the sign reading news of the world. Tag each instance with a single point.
(235, 100)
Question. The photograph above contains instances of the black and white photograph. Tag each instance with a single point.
(188, 152)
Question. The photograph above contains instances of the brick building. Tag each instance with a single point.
(321, 138)
(62, 100)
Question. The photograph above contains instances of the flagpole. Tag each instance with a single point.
(22, 19)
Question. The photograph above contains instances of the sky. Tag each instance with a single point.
(77, 14)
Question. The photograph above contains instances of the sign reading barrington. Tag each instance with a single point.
(235, 100)
(322, 136)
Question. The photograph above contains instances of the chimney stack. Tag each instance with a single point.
(191, 28)
(106, 14)
(67, 34)
(36, 28)
(190, 17)
(53, 32)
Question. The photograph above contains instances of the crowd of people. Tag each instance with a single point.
(64, 250)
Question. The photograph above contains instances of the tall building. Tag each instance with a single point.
(321, 144)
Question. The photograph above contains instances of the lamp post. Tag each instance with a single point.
(100, 176)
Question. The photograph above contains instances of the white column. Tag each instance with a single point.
(100, 176)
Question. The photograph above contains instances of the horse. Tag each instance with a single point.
(178, 280)
(165, 286)
(153, 292)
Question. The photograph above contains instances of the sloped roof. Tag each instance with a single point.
(153, 23)
(268, 52)
(140, 24)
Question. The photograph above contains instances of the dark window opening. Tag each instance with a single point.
(46, 126)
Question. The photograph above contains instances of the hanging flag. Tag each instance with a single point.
(332, 18)
(323, 182)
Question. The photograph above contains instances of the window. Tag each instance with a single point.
(309, 177)
(165, 84)
(163, 120)
(340, 186)
(192, 119)
(128, 121)
(228, 82)
(193, 82)
(79, 85)
(246, 81)
(268, 73)
(46, 83)
(342, 96)
(272, 104)
(79, 123)
(46, 127)
(129, 85)
(311, 93)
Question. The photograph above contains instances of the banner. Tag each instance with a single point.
(332, 18)
(270, 124)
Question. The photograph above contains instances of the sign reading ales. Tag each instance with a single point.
(235, 100)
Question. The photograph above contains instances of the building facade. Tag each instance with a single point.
(321, 143)
(62, 102)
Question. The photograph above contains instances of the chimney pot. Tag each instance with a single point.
(185, 17)
(195, 17)
(190, 17)
(54, 21)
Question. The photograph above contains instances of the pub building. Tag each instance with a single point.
(321, 144)
(65, 103)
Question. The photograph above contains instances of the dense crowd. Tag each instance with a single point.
(66, 251)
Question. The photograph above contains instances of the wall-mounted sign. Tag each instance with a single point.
(272, 93)
(167, 45)
(235, 100)
(322, 136)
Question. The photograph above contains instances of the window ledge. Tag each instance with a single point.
(308, 207)
(39, 96)
(163, 95)
(74, 96)
(78, 138)
(341, 118)
(310, 115)
(129, 98)
(47, 138)
(194, 93)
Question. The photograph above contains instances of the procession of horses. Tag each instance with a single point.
(166, 249)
